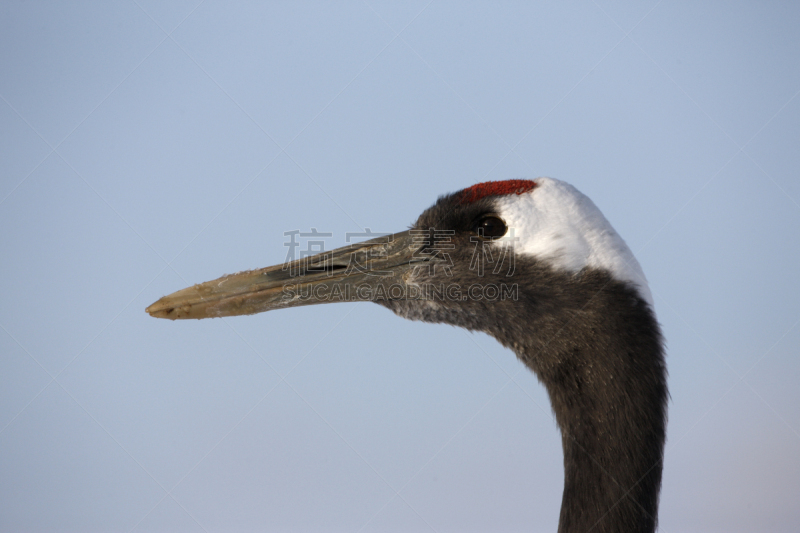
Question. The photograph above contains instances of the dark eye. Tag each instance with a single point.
(491, 227)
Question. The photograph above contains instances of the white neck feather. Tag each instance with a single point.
(557, 224)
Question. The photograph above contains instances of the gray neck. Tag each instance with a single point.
(613, 443)
(602, 363)
(595, 345)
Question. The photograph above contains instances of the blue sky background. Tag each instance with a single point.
(147, 146)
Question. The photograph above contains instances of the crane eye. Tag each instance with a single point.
(491, 227)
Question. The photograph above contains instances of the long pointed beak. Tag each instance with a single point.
(366, 271)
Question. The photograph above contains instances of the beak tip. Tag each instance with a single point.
(172, 310)
(157, 310)
(162, 309)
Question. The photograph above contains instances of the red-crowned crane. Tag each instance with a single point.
(534, 264)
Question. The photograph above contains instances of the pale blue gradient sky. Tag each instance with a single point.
(147, 146)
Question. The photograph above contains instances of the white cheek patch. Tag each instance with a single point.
(557, 224)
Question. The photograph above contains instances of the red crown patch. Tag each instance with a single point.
(495, 188)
